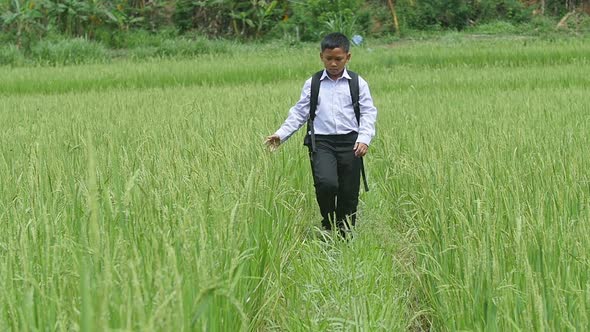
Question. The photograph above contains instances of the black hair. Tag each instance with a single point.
(335, 40)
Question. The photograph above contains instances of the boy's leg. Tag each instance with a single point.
(349, 177)
(325, 177)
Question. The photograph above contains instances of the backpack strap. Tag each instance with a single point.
(313, 105)
(315, 91)
(353, 85)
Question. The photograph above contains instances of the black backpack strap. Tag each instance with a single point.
(353, 84)
(315, 91)
(313, 105)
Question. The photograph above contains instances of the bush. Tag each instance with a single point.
(312, 19)
(513, 11)
(452, 14)
(140, 53)
(458, 14)
(12, 56)
(584, 23)
(380, 20)
(134, 38)
(542, 24)
(68, 51)
(496, 27)
(186, 47)
(244, 19)
(115, 23)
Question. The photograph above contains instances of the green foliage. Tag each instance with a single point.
(68, 52)
(111, 21)
(149, 15)
(134, 38)
(542, 25)
(21, 19)
(496, 28)
(146, 45)
(29, 20)
(509, 10)
(75, 17)
(459, 15)
(182, 47)
(452, 14)
(583, 25)
(55, 50)
(559, 8)
(313, 19)
(577, 22)
(243, 19)
(11, 55)
(379, 20)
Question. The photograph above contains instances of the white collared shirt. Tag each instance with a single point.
(335, 113)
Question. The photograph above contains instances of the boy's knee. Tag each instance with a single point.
(327, 186)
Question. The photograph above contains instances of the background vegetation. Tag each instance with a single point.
(133, 197)
(88, 31)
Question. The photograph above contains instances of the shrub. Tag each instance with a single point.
(584, 23)
(542, 24)
(221, 18)
(453, 14)
(315, 18)
(508, 10)
(68, 51)
(11, 55)
(143, 52)
(496, 27)
(458, 14)
(135, 38)
(185, 47)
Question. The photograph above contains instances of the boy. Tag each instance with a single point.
(336, 140)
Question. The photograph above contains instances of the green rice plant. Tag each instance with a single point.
(139, 196)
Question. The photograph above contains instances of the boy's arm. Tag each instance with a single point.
(368, 114)
(298, 114)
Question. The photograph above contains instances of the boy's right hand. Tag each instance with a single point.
(273, 142)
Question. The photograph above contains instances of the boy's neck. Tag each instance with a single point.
(336, 77)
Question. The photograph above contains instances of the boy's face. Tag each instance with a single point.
(334, 60)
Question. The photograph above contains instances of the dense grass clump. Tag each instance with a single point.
(11, 55)
(138, 196)
(68, 52)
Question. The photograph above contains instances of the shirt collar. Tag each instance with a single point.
(344, 75)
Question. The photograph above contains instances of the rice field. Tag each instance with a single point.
(139, 196)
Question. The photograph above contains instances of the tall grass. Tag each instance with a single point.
(139, 196)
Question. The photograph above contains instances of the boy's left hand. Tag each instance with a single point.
(360, 149)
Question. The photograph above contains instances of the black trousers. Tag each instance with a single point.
(336, 175)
